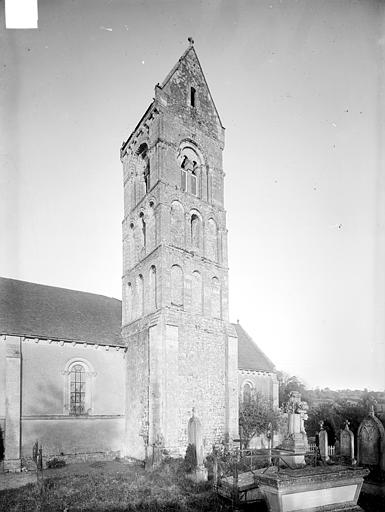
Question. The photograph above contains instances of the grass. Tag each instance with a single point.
(125, 488)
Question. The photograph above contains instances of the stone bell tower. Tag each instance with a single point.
(182, 352)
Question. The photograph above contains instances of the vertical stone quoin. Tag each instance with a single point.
(12, 455)
(181, 349)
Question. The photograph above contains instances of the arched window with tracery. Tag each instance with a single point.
(196, 232)
(78, 387)
(78, 390)
(215, 298)
(177, 286)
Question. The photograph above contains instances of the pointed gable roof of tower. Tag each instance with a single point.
(190, 53)
(250, 356)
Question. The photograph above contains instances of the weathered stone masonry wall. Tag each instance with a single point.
(178, 363)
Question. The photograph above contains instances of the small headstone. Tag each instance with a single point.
(194, 432)
(323, 443)
(347, 443)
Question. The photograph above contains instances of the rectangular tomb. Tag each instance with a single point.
(313, 489)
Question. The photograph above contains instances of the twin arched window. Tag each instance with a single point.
(190, 162)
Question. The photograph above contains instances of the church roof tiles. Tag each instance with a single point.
(40, 311)
(250, 356)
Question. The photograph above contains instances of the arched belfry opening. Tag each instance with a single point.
(190, 161)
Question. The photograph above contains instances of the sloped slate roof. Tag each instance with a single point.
(35, 310)
(250, 356)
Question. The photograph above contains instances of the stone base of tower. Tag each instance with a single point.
(177, 362)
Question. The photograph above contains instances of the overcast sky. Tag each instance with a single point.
(298, 86)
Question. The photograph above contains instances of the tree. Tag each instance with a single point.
(256, 416)
(334, 415)
(287, 384)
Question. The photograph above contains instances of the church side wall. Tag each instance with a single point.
(45, 399)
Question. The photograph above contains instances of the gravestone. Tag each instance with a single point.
(346, 447)
(371, 442)
(371, 453)
(198, 472)
(323, 443)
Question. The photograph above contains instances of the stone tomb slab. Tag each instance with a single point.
(313, 489)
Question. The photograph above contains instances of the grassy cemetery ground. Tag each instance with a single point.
(119, 486)
(113, 486)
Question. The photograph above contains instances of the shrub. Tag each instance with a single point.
(55, 463)
(190, 460)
